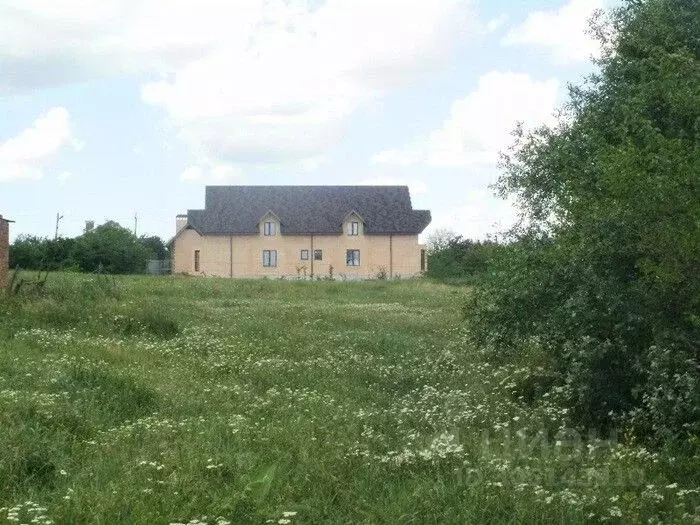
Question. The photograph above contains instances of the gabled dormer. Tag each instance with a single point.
(353, 224)
(270, 225)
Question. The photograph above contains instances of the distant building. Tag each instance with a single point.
(4, 250)
(301, 231)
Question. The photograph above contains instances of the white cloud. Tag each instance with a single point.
(213, 174)
(417, 187)
(285, 95)
(25, 155)
(478, 216)
(562, 32)
(251, 81)
(480, 125)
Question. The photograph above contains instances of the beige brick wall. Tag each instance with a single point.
(241, 256)
(4, 251)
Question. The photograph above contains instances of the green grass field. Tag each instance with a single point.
(173, 400)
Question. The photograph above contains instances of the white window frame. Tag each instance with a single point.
(354, 228)
(303, 254)
(351, 259)
(269, 258)
(270, 229)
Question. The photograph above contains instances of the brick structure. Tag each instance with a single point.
(4, 250)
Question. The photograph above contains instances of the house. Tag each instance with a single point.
(301, 231)
(4, 250)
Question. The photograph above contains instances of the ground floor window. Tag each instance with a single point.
(422, 260)
(196, 260)
(304, 255)
(353, 257)
(318, 255)
(270, 258)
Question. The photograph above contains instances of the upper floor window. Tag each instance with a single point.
(304, 255)
(270, 229)
(353, 258)
(318, 255)
(270, 258)
(353, 228)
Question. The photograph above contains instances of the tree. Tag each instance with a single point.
(459, 258)
(112, 248)
(156, 247)
(28, 252)
(605, 277)
(36, 253)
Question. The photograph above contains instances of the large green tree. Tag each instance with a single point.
(604, 285)
(111, 248)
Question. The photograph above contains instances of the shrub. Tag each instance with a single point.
(605, 274)
(458, 259)
(35, 253)
(110, 247)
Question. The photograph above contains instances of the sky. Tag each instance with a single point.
(111, 110)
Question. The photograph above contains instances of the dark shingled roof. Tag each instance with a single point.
(308, 210)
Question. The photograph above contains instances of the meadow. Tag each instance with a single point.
(175, 400)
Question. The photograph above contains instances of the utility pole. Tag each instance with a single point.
(58, 220)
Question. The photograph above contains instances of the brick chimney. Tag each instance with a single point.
(4, 251)
(180, 223)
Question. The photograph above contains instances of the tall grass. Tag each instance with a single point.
(178, 399)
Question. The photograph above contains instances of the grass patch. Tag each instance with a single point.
(178, 399)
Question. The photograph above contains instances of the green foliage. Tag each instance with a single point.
(109, 248)
(156, 247)
(604, 278)
(20, 285)
(113, 248)
(460, 259)
(35, 253)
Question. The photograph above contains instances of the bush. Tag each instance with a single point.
(109, 248)
(35, 253)
(460, 259)
(604, 277)
(112, 248)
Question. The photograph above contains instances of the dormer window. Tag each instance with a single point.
(352, 222)
(270, 229)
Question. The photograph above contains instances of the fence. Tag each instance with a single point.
(159, 267)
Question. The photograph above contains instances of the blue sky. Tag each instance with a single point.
(111, 109)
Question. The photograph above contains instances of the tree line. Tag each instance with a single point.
(109, 248)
